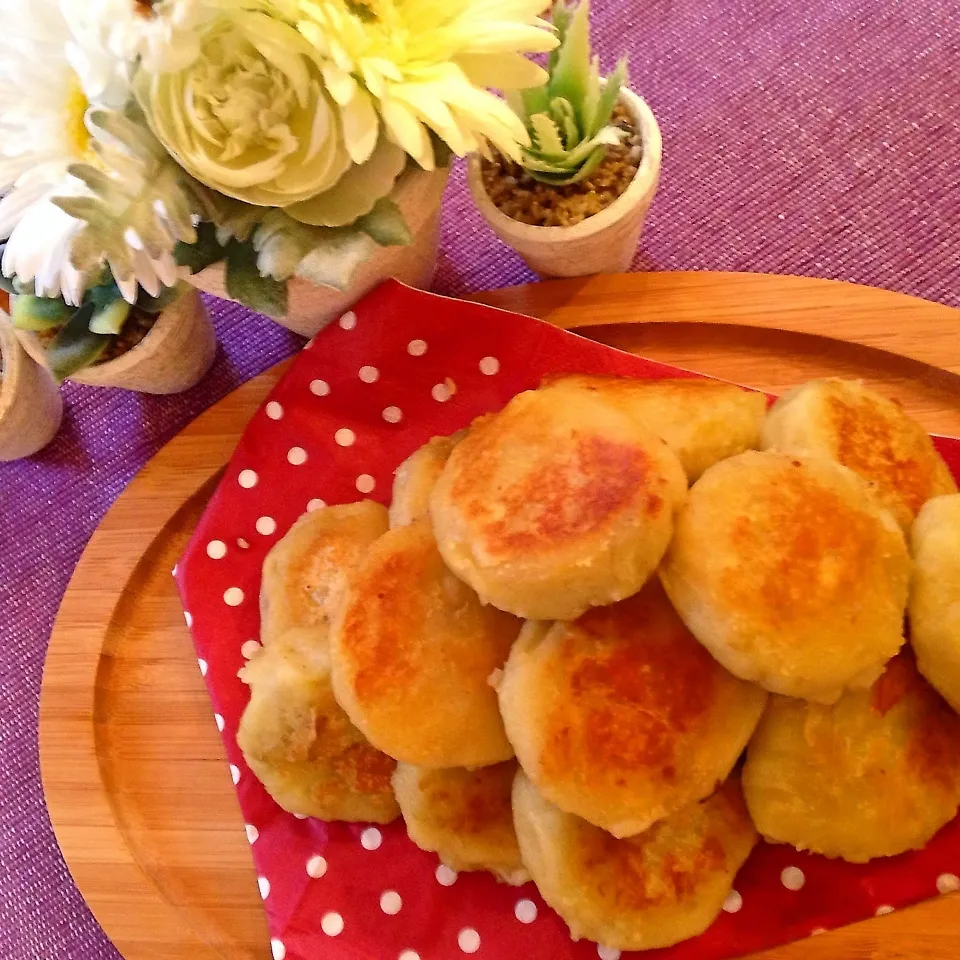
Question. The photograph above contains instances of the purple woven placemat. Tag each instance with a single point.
(818, 139)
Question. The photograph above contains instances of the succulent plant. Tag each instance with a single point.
(568, 118)
(77, 337)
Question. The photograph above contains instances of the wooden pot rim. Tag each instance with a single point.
(639, 189)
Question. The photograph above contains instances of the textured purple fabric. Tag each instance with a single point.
(817, 138)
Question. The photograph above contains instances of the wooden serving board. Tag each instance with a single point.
(137, 785)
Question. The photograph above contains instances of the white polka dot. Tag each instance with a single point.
(525, 911)
(249, 649)
(278, 950)
(792, 878)
(234, 773)
(316, 867)
(468, 940)
(319, 388)
(218, 720)
(818, 931)
(233, 596)
(489, 366)
(948, 883)
(445, 876)
(248, 479)
(176, 567)
(188, 618)
(365, 483)
(297, 456)
(392, 414)
(369, 374)
(332, 924)
(733, 903)
(266, 526)
(409, 955)
(216, 549)
(253, 834)
(608, 953)
(274, 410)
(390, 902)
(203, 667)
(316, 504)
(441, 393)
(348, 321)
(884, 910)
(345, 437)
(264, 884)
(243, 544)
(300, 816)
(371, 838)
(417, 348)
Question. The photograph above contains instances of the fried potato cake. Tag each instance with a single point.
(787, 570)
(548, 508)
(413, 650)
(873, 775)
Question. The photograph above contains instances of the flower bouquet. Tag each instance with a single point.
(288, 154)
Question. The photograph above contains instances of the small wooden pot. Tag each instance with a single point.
(172, 357)
(603, 243)
(311, 307)
(30, 404)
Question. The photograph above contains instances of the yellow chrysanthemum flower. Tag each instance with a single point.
(419, 64)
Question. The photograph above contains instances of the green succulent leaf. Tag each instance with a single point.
(607, 100)
(334, 262)
(546, 136)
(155, 305)
(385, 224)
(566, 120)
(571, 72)
(206, 251)
(39, 313)
(535, 100)
(244, 282)
(560, 18)
(110, 319)
(76, 347)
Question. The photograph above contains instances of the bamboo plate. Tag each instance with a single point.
(136, 782)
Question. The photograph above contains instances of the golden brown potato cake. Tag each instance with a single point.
(302, 572)
(653, 890)
(850, 423)
(873, 775)
(413, 650)
(787, 570)
(464, 816)
(298, 742)
(621, 717)
(549, 508)
(416, 477)
(935, 595)
(702, 421)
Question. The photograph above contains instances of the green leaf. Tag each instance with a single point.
(547, 136)
(385, 224)
(155, 305)
(244, 282)
(569, 76)
(560, 18)
(584, 171)
(608, 99)
(333, 264)
(40, 313)
(565, 118)
(206, 251)
(8, 284)
(75, 347)
(535, 100)
(110, 318)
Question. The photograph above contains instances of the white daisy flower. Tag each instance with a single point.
(50, 76)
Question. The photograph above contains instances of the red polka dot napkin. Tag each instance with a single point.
(399, 368)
